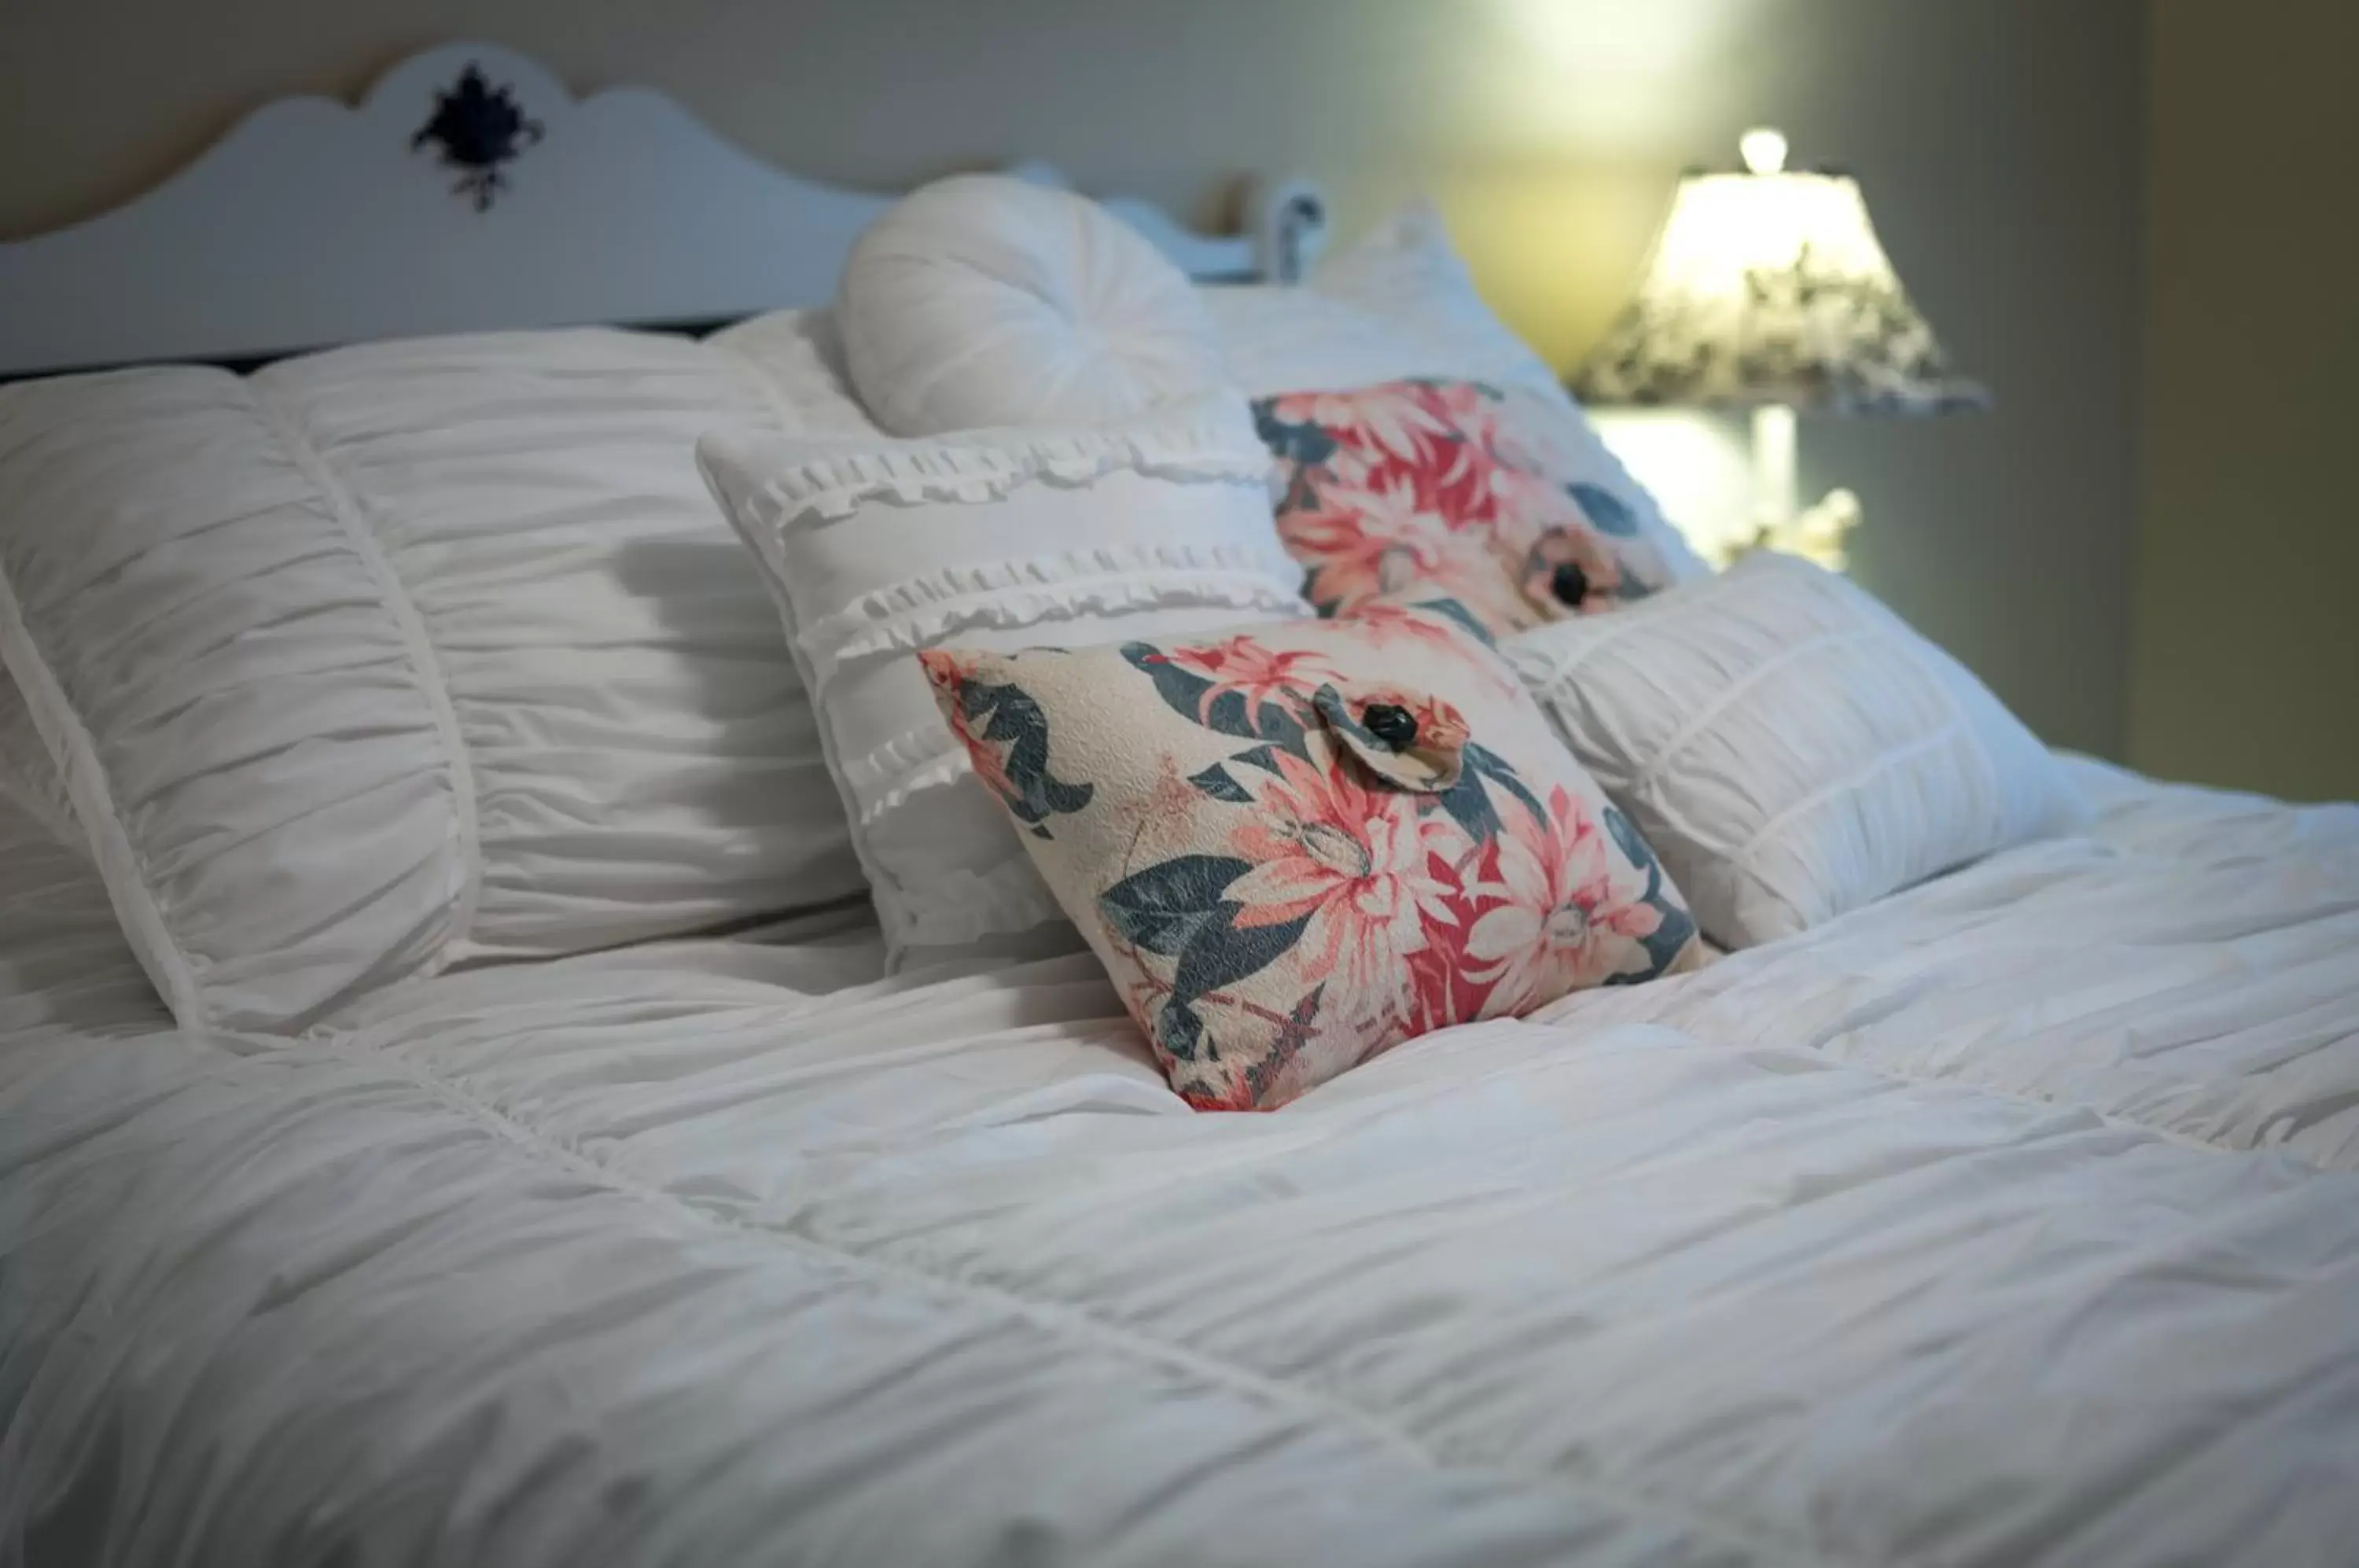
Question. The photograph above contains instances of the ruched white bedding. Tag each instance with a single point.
(67, 980)
(411, 656)
(2011, 1221)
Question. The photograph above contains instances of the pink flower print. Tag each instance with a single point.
(1367, 543)
(1563, 924)
(1359, 860)
(1428, 439)
(1362, 540)
(1449, 464)
(1379, 423)
(1255, 672)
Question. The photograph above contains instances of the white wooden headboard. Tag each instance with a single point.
(470, 191)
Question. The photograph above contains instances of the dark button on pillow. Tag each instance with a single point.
(1391, 725)
(1411, 740)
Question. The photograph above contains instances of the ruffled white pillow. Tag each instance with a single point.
(984, 300)
(1789, 747)
(999, 539)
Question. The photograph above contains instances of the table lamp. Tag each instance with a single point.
(1767, 291)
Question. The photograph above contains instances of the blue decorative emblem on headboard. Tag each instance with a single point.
(479, 127)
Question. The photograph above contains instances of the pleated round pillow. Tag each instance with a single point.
(984, 300)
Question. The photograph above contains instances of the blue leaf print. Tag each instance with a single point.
(1304, 444)
(1607, 512)
(1032, 793)
(1678, 926)
(1215, 782)
(1184, 693)
(1161, 908)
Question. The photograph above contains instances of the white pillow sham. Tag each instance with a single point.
(405, 656)
(1397, 302)
(1789, 747)
(797, 357)
(998, 539)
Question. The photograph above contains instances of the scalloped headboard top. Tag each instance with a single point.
(469, 190)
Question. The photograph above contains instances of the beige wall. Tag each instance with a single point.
(2246, 663)
(1999, 142)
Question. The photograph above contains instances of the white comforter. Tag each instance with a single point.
(2009, 1222)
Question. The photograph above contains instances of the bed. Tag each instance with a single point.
(2009, 1219)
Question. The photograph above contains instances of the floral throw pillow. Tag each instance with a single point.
(1456, 488)
(1294, 846)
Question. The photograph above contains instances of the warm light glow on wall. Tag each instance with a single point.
(1586, 78)
(1584, 37)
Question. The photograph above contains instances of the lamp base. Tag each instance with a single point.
(1815, 533)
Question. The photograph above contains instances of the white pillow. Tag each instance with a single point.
(1399, 304)
(797, 357)
(997, 539)
(1789, 747)
(405, 656)
(985, 301)
(28, 776)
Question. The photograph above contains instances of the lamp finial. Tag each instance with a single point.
(1764, 150)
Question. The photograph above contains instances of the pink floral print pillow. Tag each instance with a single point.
(1452, 488)
(1298, 844)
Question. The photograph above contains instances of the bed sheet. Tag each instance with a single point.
(2192, 965)
(1852, 1252)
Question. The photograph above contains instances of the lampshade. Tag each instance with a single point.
(1769, 287)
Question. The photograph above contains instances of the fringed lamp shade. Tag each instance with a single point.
(1770, 289)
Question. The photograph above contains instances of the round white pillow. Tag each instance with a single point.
(984, 301)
